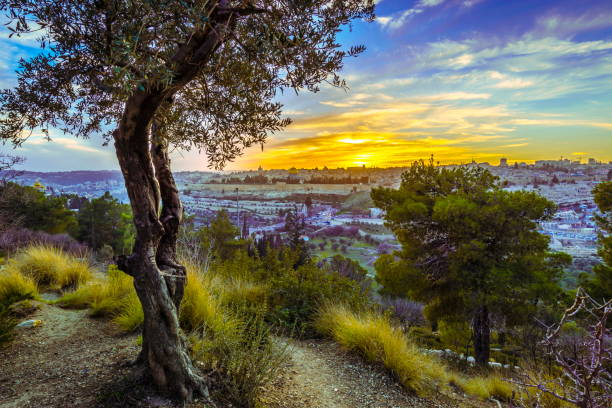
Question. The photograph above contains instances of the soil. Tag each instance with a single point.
(72, 360)
(62, 363)
(322, 374)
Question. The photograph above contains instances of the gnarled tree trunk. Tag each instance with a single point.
(158, 278)
(482, 335)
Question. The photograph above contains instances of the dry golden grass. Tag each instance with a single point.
(14, 285)
(51, 267)
(487, 387)
(373, 336)
(130, 317)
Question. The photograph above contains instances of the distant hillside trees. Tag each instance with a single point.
(30, 208)
(470, 250)
(105, 221)
(599, 284)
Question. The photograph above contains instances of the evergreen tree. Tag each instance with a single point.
(105, 221)
(295, 225)
(469, 248)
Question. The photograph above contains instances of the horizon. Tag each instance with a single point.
(511, 162)
(462, 80)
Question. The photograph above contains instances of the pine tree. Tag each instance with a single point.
(470, 249)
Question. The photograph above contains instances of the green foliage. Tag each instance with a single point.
(216, 99)
(599, 284)
(295, 226)
(393, 277)
(295, 295)
(468, 247)
(51, 267)
(34, 210)
(219, 239)
(105, 221)
(7, 325)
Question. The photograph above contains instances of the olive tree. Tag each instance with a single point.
(150, 75)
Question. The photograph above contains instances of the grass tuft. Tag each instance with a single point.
(373, 336)
(113, 297)
(51, 267)
(131, 316)
(15, 287)
(487, 387)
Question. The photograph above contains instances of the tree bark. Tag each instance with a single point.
(158, 279)
(482, 335)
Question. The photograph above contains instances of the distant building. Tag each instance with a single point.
(503, 162)
(592, 161)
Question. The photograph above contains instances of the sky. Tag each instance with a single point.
(460, 79)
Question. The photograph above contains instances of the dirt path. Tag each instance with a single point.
(75, 361)
(322, 375)
(63, 363)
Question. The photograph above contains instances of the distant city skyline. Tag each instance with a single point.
(463, 80)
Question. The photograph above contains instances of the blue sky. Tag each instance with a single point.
(462, 79)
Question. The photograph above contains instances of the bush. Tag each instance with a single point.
(17, 238)
(51, 267)
(14, 287)
(244, 359)
(373, 336)
(405, 311)
(296, 296)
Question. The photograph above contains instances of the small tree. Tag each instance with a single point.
(105, 221)
(469, 248)
(586, 379)
(192, 74)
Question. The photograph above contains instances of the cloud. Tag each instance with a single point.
(561, 25)
(397, 21)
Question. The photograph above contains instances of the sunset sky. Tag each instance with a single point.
(460, 79)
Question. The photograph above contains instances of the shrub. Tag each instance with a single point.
(17, 238)
(296, 296)
(244, 360)
(245, 297)
(405, 311)
(51, 267)
(14, 287)
(373, 336)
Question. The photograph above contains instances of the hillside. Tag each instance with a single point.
(77, 361)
